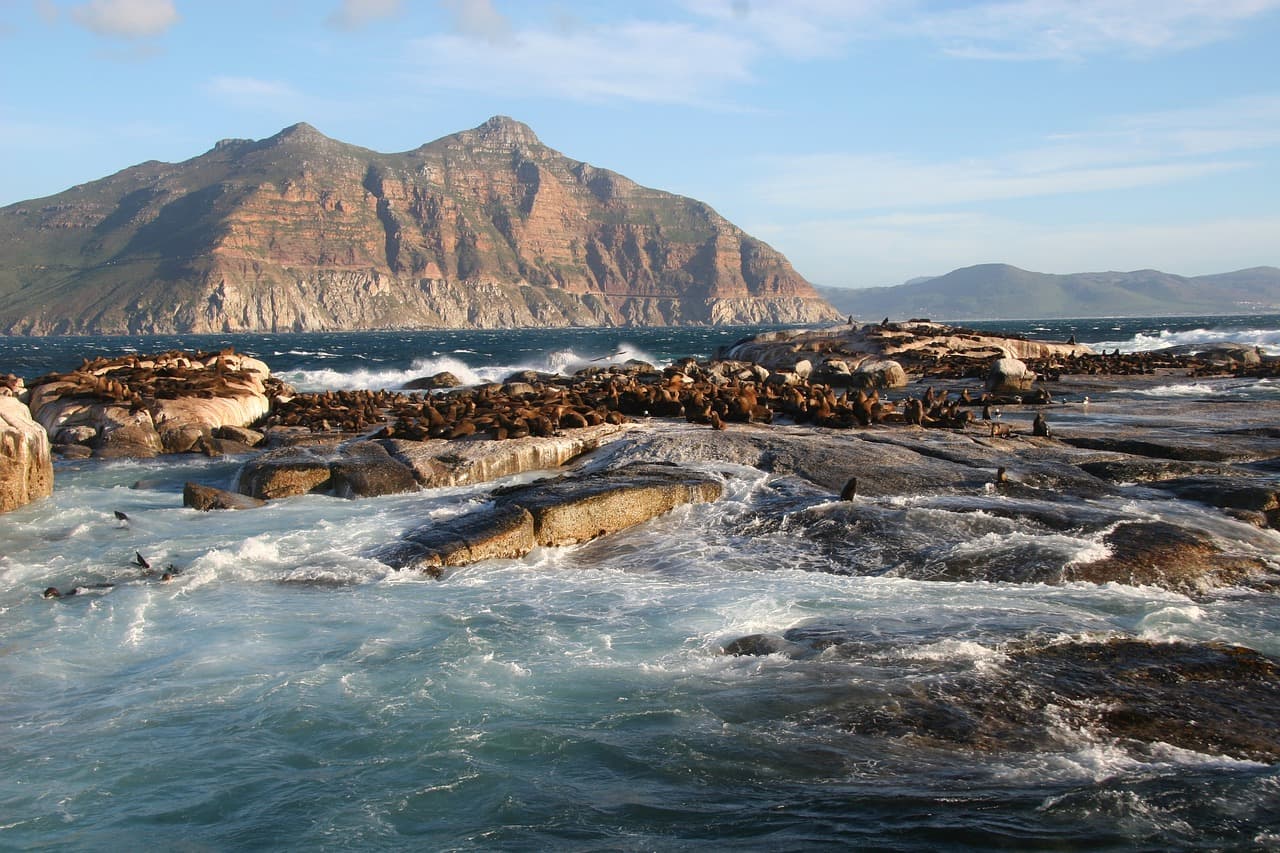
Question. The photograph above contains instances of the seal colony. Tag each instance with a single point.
(895, 383)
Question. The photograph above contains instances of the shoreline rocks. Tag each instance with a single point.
(26, 457)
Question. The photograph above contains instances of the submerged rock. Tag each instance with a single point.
(1207, 697)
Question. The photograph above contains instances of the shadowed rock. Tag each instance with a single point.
(491, 534)
(205, 498)
(283, 473)
(365, 469)
(1208, 697)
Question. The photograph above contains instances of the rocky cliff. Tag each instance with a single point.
(484, 228)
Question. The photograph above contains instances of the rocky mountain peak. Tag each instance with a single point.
(502, 130)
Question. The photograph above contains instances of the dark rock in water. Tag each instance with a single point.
(443, 379)
(205, 498)
(759, 645)
(365, 469)
(1211, 698)
(1162, 554)
(1143, 470)
(562, 511)
(283, 473)
(1257, 494)
(1180, 448)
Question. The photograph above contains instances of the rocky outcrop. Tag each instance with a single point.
(487, 228)
(438, 462)
(918, 346)
(1212, 698)
(563, 511)
(141, 406)
(26, 461)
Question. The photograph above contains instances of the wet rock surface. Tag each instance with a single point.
(562, 511)
(205, 498)
(1038, 695)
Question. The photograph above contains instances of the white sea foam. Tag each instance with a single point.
(563, 361)
(1268, 340)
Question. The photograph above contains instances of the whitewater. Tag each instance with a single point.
(287, 691)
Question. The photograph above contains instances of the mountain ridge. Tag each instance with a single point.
(483, 228)
(1006, 292)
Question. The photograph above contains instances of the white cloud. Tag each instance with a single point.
(126, 18)
(632, 60)
(886, 250)
(354, 14)
(1127, 152)
(479, 19)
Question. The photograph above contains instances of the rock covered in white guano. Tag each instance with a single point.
(146, 405)
(26, 461)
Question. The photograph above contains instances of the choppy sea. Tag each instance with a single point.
(286, 691)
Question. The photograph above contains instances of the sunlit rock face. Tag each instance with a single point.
(487, 228)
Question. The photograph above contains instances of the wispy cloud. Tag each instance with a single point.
(354, 14)
(1075, 29)
(674, 63)
(479, 19)
(130, 19)
(1127, 152)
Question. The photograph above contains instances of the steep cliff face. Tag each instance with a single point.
(484, 228)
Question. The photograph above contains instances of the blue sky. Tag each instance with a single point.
(869, 141)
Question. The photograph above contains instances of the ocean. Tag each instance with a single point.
(288, 691)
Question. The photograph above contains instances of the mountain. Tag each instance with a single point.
(487, 228)
(1003, 292)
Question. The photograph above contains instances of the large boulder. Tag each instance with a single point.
(145, 405)
(26, 461)
(364, 469)
(283, 473)
(880, 373)
(1009, 376)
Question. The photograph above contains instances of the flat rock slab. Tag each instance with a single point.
(438, 462)
(563, 511)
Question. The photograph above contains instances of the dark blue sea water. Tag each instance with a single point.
(289, 692)
(315, 361)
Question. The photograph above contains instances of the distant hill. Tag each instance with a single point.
(1003, 292)
(486, 228)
